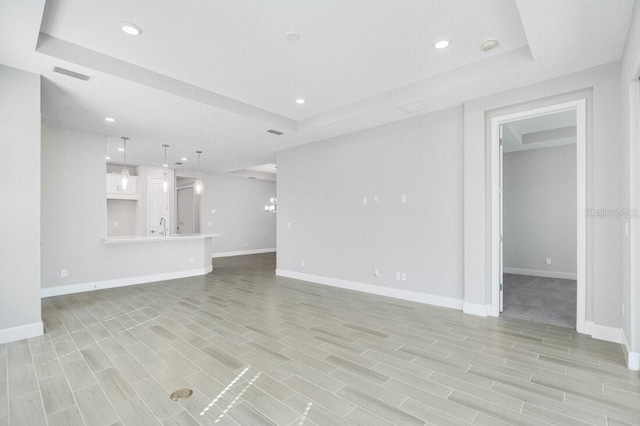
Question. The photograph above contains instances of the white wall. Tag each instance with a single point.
(20, 315)
(74, 220)
(239, 213)
(74, 205)
(320, 193)
(321, 185)
(601, 87)
(539, 219)
(630, 120)
(122, 212)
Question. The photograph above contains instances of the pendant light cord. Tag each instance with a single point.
(124, 140)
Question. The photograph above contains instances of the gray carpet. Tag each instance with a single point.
(547, 300)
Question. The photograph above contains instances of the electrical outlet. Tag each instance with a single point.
(63, 273)
(376, 200)
(403, 199)
(623, 310)
(547, 261)
(376, 273)
(403, 276)
(191, 260)
(364, 200)
(288, 225)
(398, 276)
(209, 223)
(246, 244)
(115, 224)
(302, 263)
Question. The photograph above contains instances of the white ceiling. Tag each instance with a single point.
(543, 131)
(266, 168)
(215, 75)
(265, 172)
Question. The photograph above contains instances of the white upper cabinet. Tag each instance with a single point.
(115, 191)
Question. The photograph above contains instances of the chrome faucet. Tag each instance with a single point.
(163, 222)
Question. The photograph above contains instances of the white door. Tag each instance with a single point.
(501, 196)
(185, 211)
(158, 208)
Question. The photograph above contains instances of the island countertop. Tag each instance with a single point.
(147, 239)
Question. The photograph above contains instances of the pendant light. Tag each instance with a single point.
(199, 185)
(165, 178)
(124, 174)
(106, 149)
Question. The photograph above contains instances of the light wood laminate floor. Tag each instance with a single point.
(261, 350)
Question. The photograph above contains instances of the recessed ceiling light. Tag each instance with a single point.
(489, 44)
(106, 157)
(121, 149)
(442, 44)
(292, 36)
(131, 29)
(184, 158)
(300, 101)
(165, 165)
(110, 119)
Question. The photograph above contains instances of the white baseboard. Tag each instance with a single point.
(428, 299)
(242, 252)
(603, 332)
(539, 273)
(634, 361)
(475, 309)
(21, 332)
(633, 358)
(122, 282)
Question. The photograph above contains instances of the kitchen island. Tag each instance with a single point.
(135, 259)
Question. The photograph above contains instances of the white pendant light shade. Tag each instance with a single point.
(124, 174)
(124, 178)
(198, 186)
(165, 178)
(165, 182)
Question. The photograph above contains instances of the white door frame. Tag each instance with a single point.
(580, 106)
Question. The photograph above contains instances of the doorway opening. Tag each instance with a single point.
(538, 215)
(187, 207)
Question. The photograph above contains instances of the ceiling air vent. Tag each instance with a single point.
(413, 107)
(72, 74)
(275, 132)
